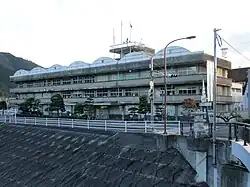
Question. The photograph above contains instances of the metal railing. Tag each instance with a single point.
(230, 131)
(173, 127)
(226, 130)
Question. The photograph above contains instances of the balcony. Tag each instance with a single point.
(224, 99)
(113, 84)
(224, 81)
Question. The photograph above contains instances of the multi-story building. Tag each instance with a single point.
(117, 84)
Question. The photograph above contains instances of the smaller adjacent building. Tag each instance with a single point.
(240, 78)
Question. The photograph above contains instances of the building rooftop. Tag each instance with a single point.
(239, 74)
(172, 51)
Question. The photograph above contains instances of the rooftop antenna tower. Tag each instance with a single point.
(114, 39)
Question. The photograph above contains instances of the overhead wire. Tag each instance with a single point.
(236, 50)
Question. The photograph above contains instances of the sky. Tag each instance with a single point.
(50, 32)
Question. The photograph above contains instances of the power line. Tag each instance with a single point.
(234, 49)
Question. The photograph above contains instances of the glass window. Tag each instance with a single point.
(80, 80)
(219, 72)
(102, 93)
(56, 82)
(67, 81)
(29, 85)
(75, 80)
(187, 70)
(20, 85)
(115, 92)
(118, 76)
(89, 93)
(187, 91)
(129, 76)
(129, 92)
(89, 79)
(49, 83)
(101, 78)
(66, 95)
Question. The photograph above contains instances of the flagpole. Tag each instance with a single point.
(114, 39)
(130, 26)
(130, 33)
(121, 40)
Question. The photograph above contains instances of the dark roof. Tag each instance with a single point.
(238, 75)
(32, 156)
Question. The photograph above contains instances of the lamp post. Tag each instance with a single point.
(214, 106)
(165, 78)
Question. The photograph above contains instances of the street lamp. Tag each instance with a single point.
(165, 78)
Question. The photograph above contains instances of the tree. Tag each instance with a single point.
(3, 105)
(78, 109)
(133, 111)
(89, 107)
(30, 106)
(227, 117)
(189, 105)
(144, 106)
(57, 104)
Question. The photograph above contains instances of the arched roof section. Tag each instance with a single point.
(134, 57)
(104, 60)
(56, 67)
(37, 70)
(77, 64)
(172, 51)
(21, 72)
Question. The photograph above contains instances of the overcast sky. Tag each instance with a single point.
(62, 31)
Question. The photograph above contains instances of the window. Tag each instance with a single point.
(118, 76)
(219, 72)
(80, 80)
(89, 93)
(187, 70)
(129, 92)
(56, 82)
(225, 73)
(170, 91)
(29, 85)
(67, 81)
(115, 92)
(49, 83)
(75, 80)
(102, 93)
(187, 91)
(20, 85)
(38, 84)
(77, 95)
(66, 95)
(220, 90)
(89, 79)
(101, 78)
(129, 76)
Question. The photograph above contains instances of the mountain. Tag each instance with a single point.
(9, 64)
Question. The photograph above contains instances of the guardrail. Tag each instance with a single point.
(230, 130)
(173, 127)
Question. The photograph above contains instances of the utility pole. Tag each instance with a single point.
(214, 109)
(151, 90)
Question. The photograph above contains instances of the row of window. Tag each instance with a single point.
(183, 71)
(115, 92)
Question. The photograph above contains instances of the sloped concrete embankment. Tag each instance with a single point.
(32, 156)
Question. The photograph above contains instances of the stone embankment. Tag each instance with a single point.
(39, 157)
